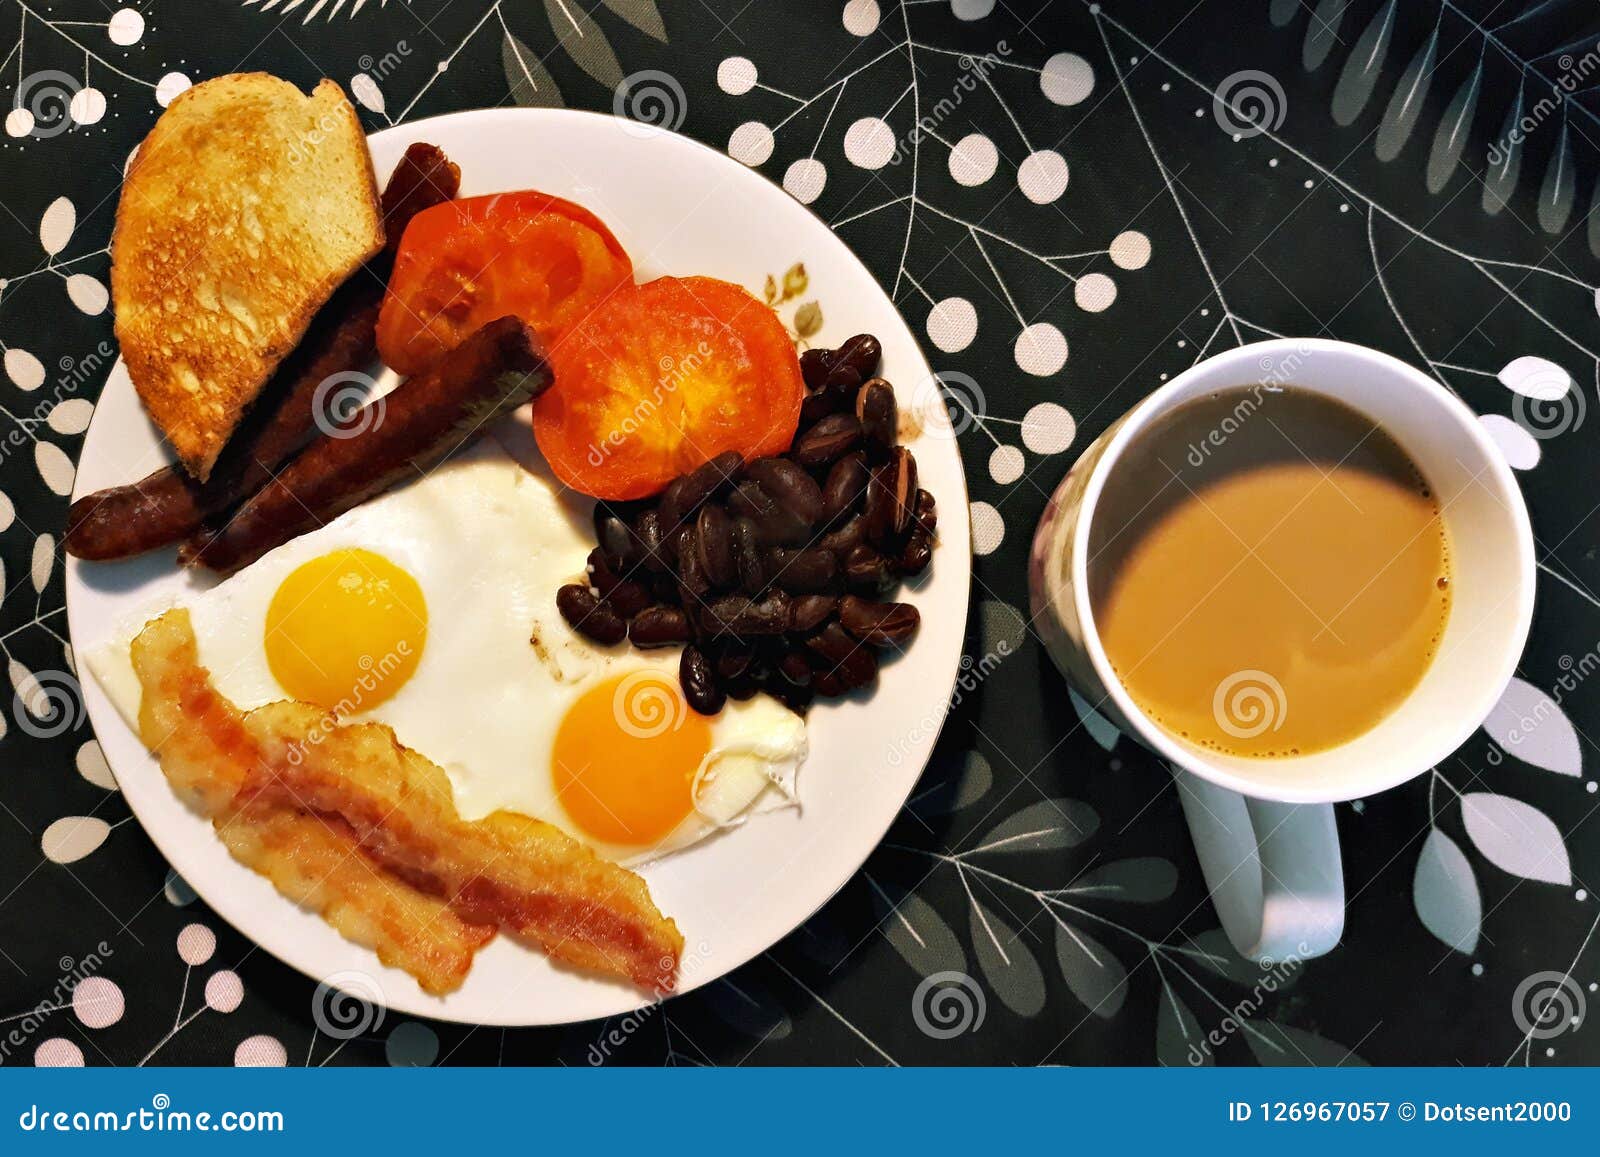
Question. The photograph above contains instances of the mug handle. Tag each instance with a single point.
(1273, 869)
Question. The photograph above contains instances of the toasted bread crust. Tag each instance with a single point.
(247, 205)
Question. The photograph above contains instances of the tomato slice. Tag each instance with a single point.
(660, 378)
(465, 263)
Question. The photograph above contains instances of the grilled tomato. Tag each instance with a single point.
(464, 263)
(660, 378)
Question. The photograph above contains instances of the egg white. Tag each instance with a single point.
(489, 537)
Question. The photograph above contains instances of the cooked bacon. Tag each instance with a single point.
(204, 750)
(393, 809)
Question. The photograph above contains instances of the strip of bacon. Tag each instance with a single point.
(204, 751)
(526, 876)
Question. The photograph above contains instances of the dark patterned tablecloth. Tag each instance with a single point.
(1070, 203)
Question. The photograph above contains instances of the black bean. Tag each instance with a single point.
(878, 415)
(746, 617)
(808, 612)
(720, 472)
(808, 571)
(699, 683)
(676, 502)
(796, 698)
(734, 658)
(877, 506)
(878, 623)
(684, 494)
(601, 577)
(891, 497)
(866, 572)
(841, 386)
(853, 662)
(788, 485)
(846, 482)
(795, 669)
(748, 500)
(616, 539)
(916, 554)
(774, 525)
(827, 441)
(628, 598)
(647, 530)
(852, 533)
(589, 616)
(862, 353)
(659, 626)
(714, 540)
(817, 406)
(927, 512)
(747, 557)
(814, 366)
(904, 478)
(664, 587)
(692, 581)
(825, 680)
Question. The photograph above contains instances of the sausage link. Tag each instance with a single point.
(498, 368)
(168, 505)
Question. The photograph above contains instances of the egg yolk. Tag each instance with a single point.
(346, 630)
(626, 755)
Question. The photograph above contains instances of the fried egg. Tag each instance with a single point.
(432, 609)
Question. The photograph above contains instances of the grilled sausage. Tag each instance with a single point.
(168, 505)
(498, 368)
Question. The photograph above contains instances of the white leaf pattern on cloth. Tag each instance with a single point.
(1179, 1038)
(1095, 976)
(1007, 962)
(1516, 837)
(917, 932)
(1049, 825)
(1533, 728)
(1445, 893)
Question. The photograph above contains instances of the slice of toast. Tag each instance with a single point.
(244, 209)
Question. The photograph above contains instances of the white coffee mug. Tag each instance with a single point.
(1264, 828)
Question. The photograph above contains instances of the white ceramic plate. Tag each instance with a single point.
(678, 207)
